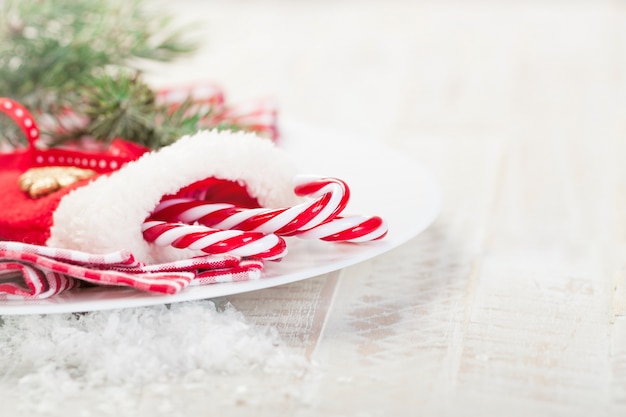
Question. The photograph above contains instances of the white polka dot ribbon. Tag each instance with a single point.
(114, 157)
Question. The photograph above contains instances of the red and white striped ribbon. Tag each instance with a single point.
(259, 116)
(20, 281)
(37, 272)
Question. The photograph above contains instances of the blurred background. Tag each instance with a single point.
(390, 68)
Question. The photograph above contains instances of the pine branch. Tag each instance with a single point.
(123, 106)
(51, 51)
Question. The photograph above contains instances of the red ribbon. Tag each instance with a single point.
(118, 153)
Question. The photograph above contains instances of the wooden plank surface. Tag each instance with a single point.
(513, 301)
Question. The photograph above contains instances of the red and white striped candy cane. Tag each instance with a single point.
(317, 219)
(340, 229)
(214, 241)
(354, 229)
(330, 195)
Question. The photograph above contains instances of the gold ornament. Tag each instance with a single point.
(38, 182)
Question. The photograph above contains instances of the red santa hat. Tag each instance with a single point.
(105, 213)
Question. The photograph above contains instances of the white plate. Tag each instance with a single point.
(382, 181)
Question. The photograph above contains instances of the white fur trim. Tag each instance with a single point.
(107, 214)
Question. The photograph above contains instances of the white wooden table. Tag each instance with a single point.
(514, 301)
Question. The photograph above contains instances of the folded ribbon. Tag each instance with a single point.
(99, 159)
(38, 272)
(259, 116)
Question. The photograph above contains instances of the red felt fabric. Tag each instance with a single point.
(23, 218)
(219, 191)
(28, 220)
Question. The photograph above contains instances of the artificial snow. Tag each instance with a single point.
(49, 360)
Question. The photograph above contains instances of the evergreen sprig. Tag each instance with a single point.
(60, 53)
(123, 106)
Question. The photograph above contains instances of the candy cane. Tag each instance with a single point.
(317, 219)
(354, 229)
(332, 197)
(339, 229)
(214, 241)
